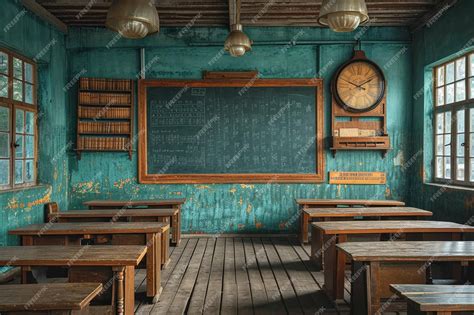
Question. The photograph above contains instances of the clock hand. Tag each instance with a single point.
(367, 81)
(357, 86)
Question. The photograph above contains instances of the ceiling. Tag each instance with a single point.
(253, 12)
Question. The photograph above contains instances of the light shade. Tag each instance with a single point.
(133, 18)
(237, 42)
(343, 15)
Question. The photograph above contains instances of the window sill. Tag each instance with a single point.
(451, 187)
(38, 186)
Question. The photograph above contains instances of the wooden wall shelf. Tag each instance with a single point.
(361, 143)
(105, 116)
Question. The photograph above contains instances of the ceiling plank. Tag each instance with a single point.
(432, 16)
(44, 14)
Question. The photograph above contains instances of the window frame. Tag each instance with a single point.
(14, 106)
(467, 105)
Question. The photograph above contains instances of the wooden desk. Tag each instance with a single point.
(375, 266)
(306, 217)
(344, 214)
(166, 215)
(340, 231)
(436, 299)
(153, 235)
(120, 261)
(153, 203)
(60, 298)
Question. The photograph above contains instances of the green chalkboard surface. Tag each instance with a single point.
(231, 130)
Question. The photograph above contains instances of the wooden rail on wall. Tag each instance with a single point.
(146, 177)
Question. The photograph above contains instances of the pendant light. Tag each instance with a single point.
(237, 42)
(343, 15)
(133, 18)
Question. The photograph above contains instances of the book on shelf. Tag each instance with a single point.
(104, 113)
(103, 143)
(107, 99)
(105, 84)
(103, 127)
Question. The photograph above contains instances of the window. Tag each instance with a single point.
(454, 121)
(18, 132)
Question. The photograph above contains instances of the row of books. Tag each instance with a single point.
(105, 84)
(103, 143)
(109, 99)
(104, 113)
(103, 127)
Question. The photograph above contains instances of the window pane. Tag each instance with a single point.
(460, 120)
(4, 145)
(472, 88)
(18, 171)
(460, 68)
(30, 146)
(472, 65)
(30, 123)
(460, 91)
(460, 169)
(440, 94)
(447, 128)
(28, 72)
(460, 145)
(450, 94)
(472, 120)
(29, 93)
(5, 119)
(19, 141)
(450, 72)
(439, 123)
(4, 172)
(447, 167)
(17, 68)
(440, 76)
(3, 63)
(29, 171)
(3, 86)
(447, 144)
(439, 167)
(20, 121)
(439, 145)
(472, 170)
(17, 90)
(472, 145)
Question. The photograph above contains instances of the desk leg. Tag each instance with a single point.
(119, 273)
(176, 227)
(340, 268)
(165, 245)
(153, 266)
(129, 288)
(26, 240)
(304, 221)
(360, 292)
(317, 247)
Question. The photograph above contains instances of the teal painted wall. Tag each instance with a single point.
(184, 54)
(451, 33)
(28, 35)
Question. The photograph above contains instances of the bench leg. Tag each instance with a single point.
(176, 228)
(304, 221)
(153, 265)
(165, 245)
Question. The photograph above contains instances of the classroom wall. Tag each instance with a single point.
(277, 53)
(448, 34)
(26, 34)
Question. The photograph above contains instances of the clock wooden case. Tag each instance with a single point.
(359, 106)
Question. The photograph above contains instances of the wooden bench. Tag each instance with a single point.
(113, 266)
(375, 266)
(153, 203)
(154, 235)
(166, 215)
(307, 215)
(47, 298)
(336, 232)
(436, 299)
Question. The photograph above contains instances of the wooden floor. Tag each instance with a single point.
(226, 275)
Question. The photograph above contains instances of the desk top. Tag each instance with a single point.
(409, 251)
(371, 227)
(421, 289)
(349, 202)
(47, 296)
(453, 302)
(367, 212)
(74, 255)
(91, 228)
(110, 213)
(134, 203)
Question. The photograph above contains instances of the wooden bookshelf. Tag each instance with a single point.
(105, 116)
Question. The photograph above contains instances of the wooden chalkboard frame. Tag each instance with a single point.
(145, 178)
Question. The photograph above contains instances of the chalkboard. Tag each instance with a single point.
(204, 133)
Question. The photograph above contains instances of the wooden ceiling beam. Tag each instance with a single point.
(432, 16)
(44, 14)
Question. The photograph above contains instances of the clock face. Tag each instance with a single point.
(359, 86)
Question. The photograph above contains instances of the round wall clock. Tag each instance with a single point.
(359, 84)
